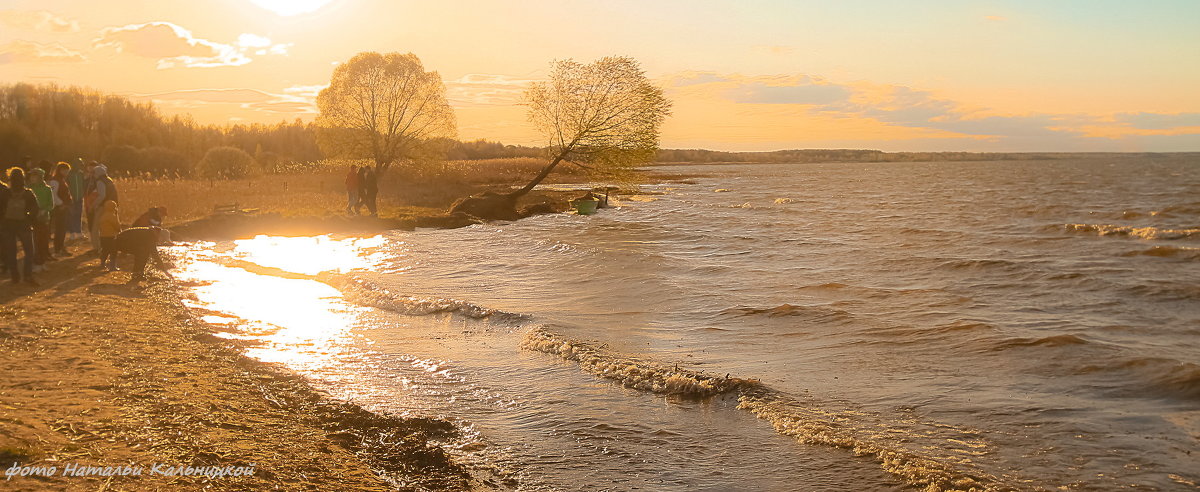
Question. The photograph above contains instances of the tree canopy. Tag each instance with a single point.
(384, 107)
(604, 115)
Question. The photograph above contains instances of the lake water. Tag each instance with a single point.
(879, 326)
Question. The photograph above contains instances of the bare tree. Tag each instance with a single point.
(603, 116)
(384, 107)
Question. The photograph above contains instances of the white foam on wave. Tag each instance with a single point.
(806, 423)
(1131, 231)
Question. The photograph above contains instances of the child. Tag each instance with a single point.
(108, 229)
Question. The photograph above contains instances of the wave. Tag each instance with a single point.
(1131, 231)
(1180, 252)
(631, 372)
(1050, 341)
(1156, 376)
(977, 264)
(1166, 290)
(806, 423)
(1183, 209)
(367, 293)
(820, 314)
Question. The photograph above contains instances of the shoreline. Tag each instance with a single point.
(103, 374)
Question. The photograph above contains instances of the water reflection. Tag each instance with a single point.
(300, 323)
(311, 255)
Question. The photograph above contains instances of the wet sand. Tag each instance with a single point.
(100, 373)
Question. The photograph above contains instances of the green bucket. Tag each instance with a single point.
(586, 207)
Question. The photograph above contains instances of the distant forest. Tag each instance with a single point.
(55, 123)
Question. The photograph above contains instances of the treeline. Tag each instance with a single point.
(55, 123)
(49, 122)
(62, 123)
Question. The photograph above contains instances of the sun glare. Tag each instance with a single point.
(291, 7)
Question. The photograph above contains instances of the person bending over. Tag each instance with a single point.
(142, 243)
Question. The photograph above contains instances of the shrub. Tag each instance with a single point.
(227, 163)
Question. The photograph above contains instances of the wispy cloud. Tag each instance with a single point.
(290, 102)
(38, 20)
(21, 51)
(788, 90)
(995, 18)
(173, 46)
(479, 89)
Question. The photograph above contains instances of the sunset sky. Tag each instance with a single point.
(1035, 75)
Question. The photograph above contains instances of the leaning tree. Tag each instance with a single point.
(383, 107)
(603, 116)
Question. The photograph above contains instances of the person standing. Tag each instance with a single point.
(41, 224)
(108, 227)
(63, 203)
(371, 191)
(105, 191)
(352, 191)
(76, 181)
(16, 225)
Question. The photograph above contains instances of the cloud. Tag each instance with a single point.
(1159, 121)
(696, 78)
(912, 108)
(253, 99)
(479, 89)
(995, 18)
(38, 20)
(261, 45)
(778, 50)
(174, 46)
(20, 51)
(799, 90)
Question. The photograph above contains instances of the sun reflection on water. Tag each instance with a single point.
(311, 255)
(299, 322)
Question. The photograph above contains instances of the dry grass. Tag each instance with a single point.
(320, 191)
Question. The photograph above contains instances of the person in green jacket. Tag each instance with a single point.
(75, 181)
(41, 222)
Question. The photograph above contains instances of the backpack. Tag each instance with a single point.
(16, 209)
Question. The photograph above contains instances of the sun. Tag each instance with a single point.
(291, 7)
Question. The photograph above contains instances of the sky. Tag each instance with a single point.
(902, 75)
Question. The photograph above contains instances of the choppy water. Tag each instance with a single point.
(1006, 325)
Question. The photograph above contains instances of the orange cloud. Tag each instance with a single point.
(21, 51)
(38, 20)
(174, 46)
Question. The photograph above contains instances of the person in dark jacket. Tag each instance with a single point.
(60, 217)
(20, 208)
(142, 243)
(370, 189)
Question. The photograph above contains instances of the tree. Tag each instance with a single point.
(226, 162)
(603, 116)
(384, 107)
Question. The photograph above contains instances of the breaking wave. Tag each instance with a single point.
(631, 372)
(806, 423)
(367, 293)
(1131, 231)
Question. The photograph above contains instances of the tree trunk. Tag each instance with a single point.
(541, 176)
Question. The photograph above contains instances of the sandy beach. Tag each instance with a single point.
(102, 374)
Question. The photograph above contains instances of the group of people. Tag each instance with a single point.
(45, 206)
(362, 188)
